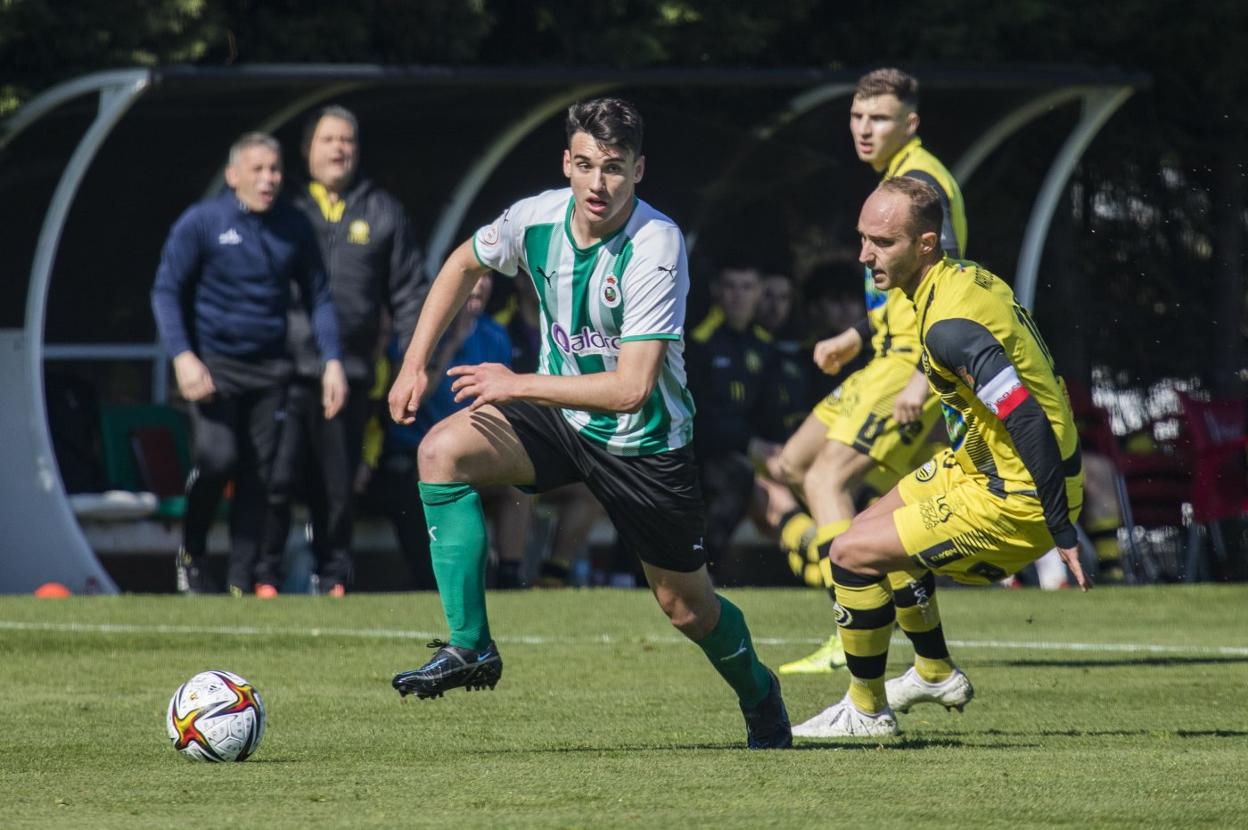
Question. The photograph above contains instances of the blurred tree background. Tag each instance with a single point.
(1144, 278)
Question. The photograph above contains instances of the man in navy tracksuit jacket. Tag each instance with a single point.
(220, 300)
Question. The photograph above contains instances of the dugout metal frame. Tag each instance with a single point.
(41, 539)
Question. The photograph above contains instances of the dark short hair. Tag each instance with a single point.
(741, 268)
(610, 121)
(331, 111)
(889, 81)
(926, 214)
(783, 275)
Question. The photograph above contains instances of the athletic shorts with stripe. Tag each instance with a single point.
(859, 414)
(953, 525)
(654, 501)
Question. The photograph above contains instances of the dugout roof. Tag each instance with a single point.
(94, 171)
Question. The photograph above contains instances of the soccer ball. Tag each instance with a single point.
(216, 716)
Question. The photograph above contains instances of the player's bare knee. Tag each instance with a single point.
(823, 478)
(846, 553)
(686, 614)
(678, 613)
(814, 478)
(694, 623)
(437, 455)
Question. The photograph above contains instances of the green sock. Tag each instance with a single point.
(458, 550)
(731, 652)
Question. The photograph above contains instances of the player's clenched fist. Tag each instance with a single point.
(832, 354)
(406, 393)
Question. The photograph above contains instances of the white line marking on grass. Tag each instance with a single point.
(600, 639)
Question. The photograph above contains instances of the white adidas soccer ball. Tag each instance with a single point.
(216, 716)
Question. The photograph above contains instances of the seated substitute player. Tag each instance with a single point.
(735, 377)
(874, 427)
(1009, 488)
(608, 407)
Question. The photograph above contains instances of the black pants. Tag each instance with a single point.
(317, 459)
(728, 486)
(235, 435)
(394, 492)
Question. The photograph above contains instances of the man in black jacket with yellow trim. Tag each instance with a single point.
(735, 377)
(374, 266)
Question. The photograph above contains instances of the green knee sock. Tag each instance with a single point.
(731, 652)
(458, 550)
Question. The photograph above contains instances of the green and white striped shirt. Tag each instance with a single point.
(629, 286)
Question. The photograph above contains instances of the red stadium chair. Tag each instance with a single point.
(145, 448)
(1215, 436)
(1152, 488)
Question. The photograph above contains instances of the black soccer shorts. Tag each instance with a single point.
(654, 501)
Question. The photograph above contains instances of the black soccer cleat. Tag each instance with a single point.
(450, 668)
(767, 724)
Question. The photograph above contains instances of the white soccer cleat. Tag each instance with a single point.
(905, 691)
(844, 720)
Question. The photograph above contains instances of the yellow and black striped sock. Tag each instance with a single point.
(797, 531)
(919, 616)
(865, 615)
(820, 546)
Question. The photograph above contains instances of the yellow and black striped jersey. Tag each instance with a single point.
(891, 312)
(1007, 411)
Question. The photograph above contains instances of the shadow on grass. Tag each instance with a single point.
(1118, 733)
(807, 744)
(906, 743)
(1131, 662)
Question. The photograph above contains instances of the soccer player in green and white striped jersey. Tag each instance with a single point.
(608, 407)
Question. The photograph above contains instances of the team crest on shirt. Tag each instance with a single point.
(490, 235)
(358, 232)
(926, 472)
(611, 291)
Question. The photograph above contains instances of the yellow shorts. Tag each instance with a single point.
(859, 414)
(952, 525)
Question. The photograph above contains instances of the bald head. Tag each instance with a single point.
(896, 248)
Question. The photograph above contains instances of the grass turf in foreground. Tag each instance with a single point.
(606, 718)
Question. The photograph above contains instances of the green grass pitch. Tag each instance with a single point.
(1121, 708)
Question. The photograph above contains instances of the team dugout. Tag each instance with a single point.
(93, 173)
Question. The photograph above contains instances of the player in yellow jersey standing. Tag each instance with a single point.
(874, 426)
(1008, 488)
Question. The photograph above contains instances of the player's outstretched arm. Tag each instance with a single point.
(624, 389)
(446, 297)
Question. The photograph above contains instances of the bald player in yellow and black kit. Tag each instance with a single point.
(1007, 490)
(873, 429)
